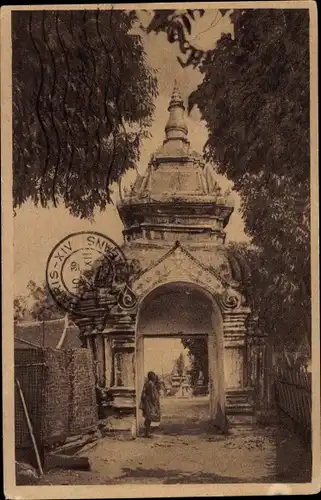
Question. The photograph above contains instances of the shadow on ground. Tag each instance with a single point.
(186, 417)
(186, 449)
(179, 477)
(293, 457)
(189, 428)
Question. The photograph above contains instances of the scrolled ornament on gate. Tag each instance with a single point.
(127, 299)
(230, 300)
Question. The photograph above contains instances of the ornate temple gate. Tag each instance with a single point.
(213, 309)
(197, 302)
(174, 218)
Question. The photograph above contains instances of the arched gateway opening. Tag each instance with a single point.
(183, 310)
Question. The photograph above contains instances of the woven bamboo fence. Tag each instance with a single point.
(60, 394)
(293, 398)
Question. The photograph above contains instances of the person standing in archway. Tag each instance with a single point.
(150, 402)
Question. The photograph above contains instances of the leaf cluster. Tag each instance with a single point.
(177, 25)
(82, 102)
(255, 101)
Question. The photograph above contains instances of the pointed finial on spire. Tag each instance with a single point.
(176, 128)
(176, 99)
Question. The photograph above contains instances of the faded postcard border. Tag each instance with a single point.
(130, 491)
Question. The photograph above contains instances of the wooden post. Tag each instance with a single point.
(64, 332)
(25, 410)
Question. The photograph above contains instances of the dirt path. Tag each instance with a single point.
(248, 454)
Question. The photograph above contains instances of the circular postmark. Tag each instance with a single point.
(85, 262)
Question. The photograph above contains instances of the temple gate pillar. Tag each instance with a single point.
(99, 349)
(108, 361)
(121, 353)
(239, 395)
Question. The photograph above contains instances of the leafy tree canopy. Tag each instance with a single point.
(254, 99)
(280, 313)
(82, 102)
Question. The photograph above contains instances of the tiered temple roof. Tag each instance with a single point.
(178, 197)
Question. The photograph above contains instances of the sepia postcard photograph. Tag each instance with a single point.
(160, 267)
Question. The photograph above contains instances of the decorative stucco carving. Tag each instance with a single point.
(230, 299)
(179, 265)
(127, 299)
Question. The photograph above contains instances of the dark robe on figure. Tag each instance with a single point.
(149, 402)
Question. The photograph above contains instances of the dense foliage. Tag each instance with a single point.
(177, 24)
(255, 101)
(82, 102)
(282, 313)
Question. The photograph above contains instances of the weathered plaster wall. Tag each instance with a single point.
(234, 367)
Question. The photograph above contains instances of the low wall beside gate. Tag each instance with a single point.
(59, 391)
